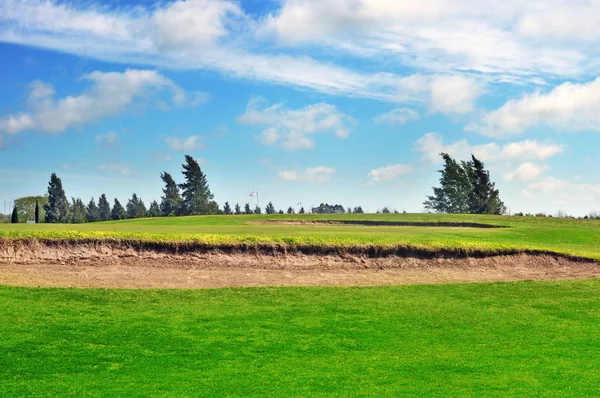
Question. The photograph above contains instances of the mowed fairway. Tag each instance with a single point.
(502, 339)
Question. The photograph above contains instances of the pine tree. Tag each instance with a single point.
(170, 204)
(280, 212)
(270, 209)
(92, 212)
(103, 208)
(485, 198)
(455, 188)
(118, 212)
(197, 198)
(227, 208)
(57, 209)
(136, 207)
(15, 216)
(257, 210)
(78, 211)
(154, 210)
(238, 210)
(37, 212)
(290, 210)
(247, 209)
(301, 210)
(358, 210)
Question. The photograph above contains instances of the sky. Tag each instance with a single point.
(308, 101)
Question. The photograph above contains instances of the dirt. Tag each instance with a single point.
(120, 266)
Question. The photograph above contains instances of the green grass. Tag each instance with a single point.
(572, 237)
(500, 339)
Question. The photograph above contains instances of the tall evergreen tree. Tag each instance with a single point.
(247, 209)
(15, 216)
(257, 210)
(78, 213)
(465, 187)
(270, 209)
(170, 204)
(358, 210)
(37, 212)
(197, 198)
(301, 211)
(238, 209)
(290, 210)
(227, 208)
(452, 196)
(136, 207)
(485, 198)
(154, 210)
(118, 212)
(92, 212)
(103, 208)
(57, 209)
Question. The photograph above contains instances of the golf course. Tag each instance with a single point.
(301, 305)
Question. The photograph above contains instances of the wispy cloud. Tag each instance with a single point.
(295, 128)
(391, 172)
(397, 116)
(188, 144)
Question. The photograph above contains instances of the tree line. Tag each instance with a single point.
(191, 197)
(465, 187)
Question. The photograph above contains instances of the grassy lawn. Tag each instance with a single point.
(500, 339)
(576, 237)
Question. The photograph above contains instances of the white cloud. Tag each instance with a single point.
(295, 128)
(507, 37)
(110, 94)
(454, 94)
(192, 23)
(1, 141)
(319, 174)
(569, 107)
(189, 144)
(117, 167)
(432, 144)
(390, 172)
(526, 172)
(397, 116)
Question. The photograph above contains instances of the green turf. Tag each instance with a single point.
(574, 237)
(496, 339)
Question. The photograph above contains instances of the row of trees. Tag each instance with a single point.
(465, 187)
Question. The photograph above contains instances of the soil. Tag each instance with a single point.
(121, 266)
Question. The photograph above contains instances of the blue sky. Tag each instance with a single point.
(339, 101)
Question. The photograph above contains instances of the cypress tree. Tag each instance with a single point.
(197, 198)
(103, 208)
(257, 210)
(57, 209)
(171, 201)
(37, 212)
(15, 216)
(238, 210)
(247, 209)
(92, 213)
(118, 212)
(290, 210)
(227, 208)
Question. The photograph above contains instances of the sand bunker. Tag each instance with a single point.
(121, 266)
